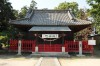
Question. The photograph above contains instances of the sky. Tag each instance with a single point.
(50, 4)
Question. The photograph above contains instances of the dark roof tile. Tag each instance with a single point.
(50, 17)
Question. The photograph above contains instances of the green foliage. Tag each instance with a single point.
(33, 4)
(6, 13)
(3, 38)
(16, 13)
(23, 12)
(66, 5)
(20, 14)
(83, 14)
(6, 35)
(95, 12)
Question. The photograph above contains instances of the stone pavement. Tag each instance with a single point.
(28, 61)
(50, 61)
(6, 60)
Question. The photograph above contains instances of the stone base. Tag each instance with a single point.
(36, 49)
(80, 55)
(19, 54)
(52, 54)
(63, 49)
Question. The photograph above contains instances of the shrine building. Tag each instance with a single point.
(49, 31)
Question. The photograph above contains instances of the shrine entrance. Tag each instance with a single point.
(49, 43)
(50, 38)
(50, 48)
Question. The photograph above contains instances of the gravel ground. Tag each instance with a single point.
(6, 60)
(17, 61)
(80, 61)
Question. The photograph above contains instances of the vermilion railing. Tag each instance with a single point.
(50, 47)
(27, 45)
(13, 45)
(70, 46)
(73, 46)
(86, 47)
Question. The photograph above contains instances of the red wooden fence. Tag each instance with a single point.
(70, 46)
(86, 47)
(50, 47)
(73, 46)
(27, 45)
(13, 45)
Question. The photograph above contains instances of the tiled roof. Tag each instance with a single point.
(50, 17)
(50, 28)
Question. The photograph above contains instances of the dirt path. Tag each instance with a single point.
(80, 62)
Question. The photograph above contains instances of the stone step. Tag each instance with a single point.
(51, 54)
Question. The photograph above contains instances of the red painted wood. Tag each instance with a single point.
(86, 47)
(73, 46)
(33, 46)
(13, 45)
(27, 45)
(70, 46)
(50, 47)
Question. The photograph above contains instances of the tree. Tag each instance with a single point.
(83, 14)
(95, 12)
(23, 12)
(68, 5)
(24, 9)
(6, 14)
(16, 13)
(33, 4)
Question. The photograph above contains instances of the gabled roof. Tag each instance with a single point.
(50, 17)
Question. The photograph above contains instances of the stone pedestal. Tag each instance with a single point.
(80, 49)
(63, 49)
(19, 47)
(36, 49)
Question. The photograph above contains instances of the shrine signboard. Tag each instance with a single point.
(50, 36)
(91, 42)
